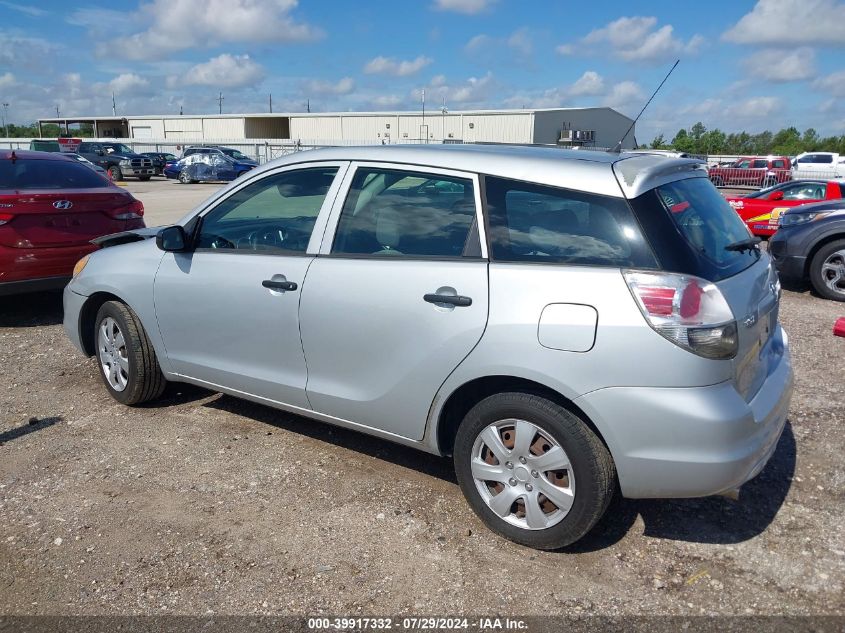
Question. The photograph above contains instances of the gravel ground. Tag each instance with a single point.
(207, 504)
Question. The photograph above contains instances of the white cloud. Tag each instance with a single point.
(320, 87)
(7, 80)
(634, 39)
(129, 83)
(176, 25)
(833, 83)
(626, 96)
(781, 66)
(387, 101)
(521, 42)
(398, 68)
(590, 83)
(468, 7)
(223, 71)
(790, 22)
(475, 89)
(24, 8)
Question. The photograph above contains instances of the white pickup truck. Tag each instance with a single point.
(818, 165)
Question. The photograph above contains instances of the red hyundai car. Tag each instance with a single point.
(760, 210)
(51, 207)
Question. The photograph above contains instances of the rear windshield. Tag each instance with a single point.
(48, 174)
(536, 223)
(689, 225)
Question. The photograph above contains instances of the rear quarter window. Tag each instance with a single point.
(48, 174)
(537, 223)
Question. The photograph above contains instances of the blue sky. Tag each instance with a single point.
(750, 65)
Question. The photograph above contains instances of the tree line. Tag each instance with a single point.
(48, 130)
(787, 142)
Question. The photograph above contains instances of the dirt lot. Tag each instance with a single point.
(204, 503)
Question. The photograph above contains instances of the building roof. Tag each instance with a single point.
(435, 112)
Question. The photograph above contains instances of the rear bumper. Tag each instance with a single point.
(691, 442)
(34, 269)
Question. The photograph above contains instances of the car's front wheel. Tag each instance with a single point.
(827, 271)
(128, 364)
(185, 177)
(115, 173)
(532, 470)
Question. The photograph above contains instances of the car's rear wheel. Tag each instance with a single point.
(128, 364)
(771, 181)
(827, 271)
(717, 181)
(115, 173)
(185, 177)
(518, 458)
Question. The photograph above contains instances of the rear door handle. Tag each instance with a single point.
(455, 300)
(279, 285)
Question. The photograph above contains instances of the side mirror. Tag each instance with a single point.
(172, 239)
(777, 195)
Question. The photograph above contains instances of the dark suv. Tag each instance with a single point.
(118, 159)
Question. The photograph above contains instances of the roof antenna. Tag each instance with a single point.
(618, 147)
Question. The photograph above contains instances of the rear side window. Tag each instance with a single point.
(824, 159)
(48, 174)
(402, 213)
(759, 164)
(779, 164)
(536, 223)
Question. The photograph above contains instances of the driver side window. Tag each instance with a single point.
(274, 214)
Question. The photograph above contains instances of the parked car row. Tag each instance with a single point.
(767, 171)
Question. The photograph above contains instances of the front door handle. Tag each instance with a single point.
(455, 300)
(279, 285)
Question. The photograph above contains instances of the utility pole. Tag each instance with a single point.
(180, 110)
(220, 103)
(308, 105)
(443, 111)
(57, 111)
(422, 127)
(6, 118)
(271, 103)
(113, 105)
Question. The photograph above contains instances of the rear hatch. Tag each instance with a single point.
(712, 242)
(49, 203)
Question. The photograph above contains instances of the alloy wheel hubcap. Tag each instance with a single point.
(523, 474)
(833, 272)
(114, 360)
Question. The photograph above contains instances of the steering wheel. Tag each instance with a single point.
(266, 238)
(221, 242)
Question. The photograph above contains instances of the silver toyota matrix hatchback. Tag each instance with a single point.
(559, 322)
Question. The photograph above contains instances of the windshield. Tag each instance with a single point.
(117, 148)
(236, 154)
(48, 174)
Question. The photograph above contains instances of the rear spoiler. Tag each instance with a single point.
(126, 237)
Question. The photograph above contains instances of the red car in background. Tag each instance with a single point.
(51, 207)
(753, 171)
(761, 210)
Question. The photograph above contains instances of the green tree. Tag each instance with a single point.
(659, 142)
(787, 142)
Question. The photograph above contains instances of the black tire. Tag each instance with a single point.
(717, 181)
(769, 182)
(592, 466)
(145, 381)
(144, 177)
(115, 173)
(185, 177)
(817, 275)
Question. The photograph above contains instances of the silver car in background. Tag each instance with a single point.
(556, 321)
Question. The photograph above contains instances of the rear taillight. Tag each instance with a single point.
(689, 311)
(133, 211)
(5, 218)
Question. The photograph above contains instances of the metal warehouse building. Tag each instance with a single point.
(588, 127)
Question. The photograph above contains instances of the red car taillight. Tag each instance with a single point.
(133, 211)
(5, 218)
(690, 312)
